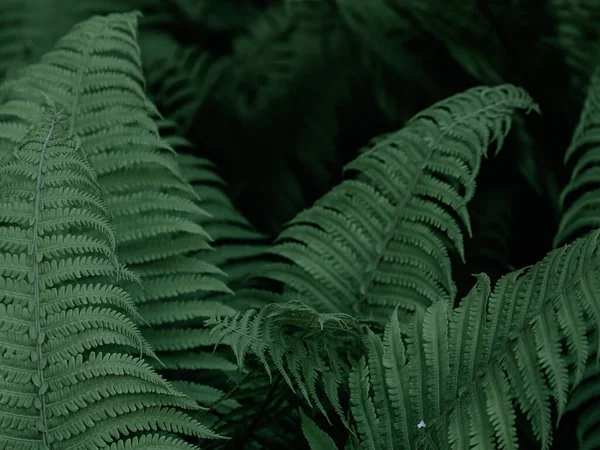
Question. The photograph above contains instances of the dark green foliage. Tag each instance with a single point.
(255, 224)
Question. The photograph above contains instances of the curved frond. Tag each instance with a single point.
(291, 48)
(459, 25)
(581, 213)
(94, 73)
(317, 438)
(381, 239)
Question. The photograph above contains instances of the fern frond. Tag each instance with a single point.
(292, 47)
(579, 199)
(381, 240)
(382, 37)
(305, 346)
(464, 30)
(581, 213)
(279, 51)
(66, 372)
(108, 109)
(373, 23)
(154, 208)
(467, 369)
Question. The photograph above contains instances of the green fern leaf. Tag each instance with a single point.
(110, 112)
(381, 240)
(470, 367)
(66, 331)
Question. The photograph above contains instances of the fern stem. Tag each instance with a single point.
(38, 336)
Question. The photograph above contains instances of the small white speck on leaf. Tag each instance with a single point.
(421, 424)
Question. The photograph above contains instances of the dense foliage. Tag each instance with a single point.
(283, 224)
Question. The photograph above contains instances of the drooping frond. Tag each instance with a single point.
(304, 346)
(280, 52)
(456, 380)
(461, 27)
(381, 239)
(579, 199)
(68, 375)
(380, 39)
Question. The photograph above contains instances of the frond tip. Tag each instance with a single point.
(66, 328)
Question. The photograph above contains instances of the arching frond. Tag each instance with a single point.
(154, 208)
(317, 439)
(290, 48)
(381, 240)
